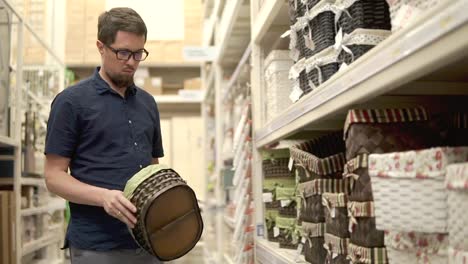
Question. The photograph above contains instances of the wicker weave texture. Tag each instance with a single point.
(396, 5)
(338, 224)
(276, 168)
(357, 51)
(368, 14)
(458, 219)
(326, 71)
(365, 233)
(312, 210)
(418, 205)
(401, 256)
(313, 250)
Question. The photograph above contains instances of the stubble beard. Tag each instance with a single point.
(121, 81)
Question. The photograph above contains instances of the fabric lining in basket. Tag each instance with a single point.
(362, 226)
(364, 255)
(457, 183)
(387, 130)
(336, 214)
(368, 14)
(416, 176)
(313, 249)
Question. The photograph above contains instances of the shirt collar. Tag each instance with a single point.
(103, 87)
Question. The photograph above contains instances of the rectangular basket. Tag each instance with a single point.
(337, 249)
(387, 130)
(275, 168)
(311, 192)
(416, 247)
(298, 8)
(287, 194)
(322, 66)
(314, 251)
(362, 228)
(320, 158)
(357, 171)
(409, 189)
(365, 255)
(289, 233)
(278, 85)
(336, 214)
(368, 14)
(410, 8)
(457, 185)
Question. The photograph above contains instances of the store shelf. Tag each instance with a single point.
(53, 205)
(436, 40)
(7, 142)
(196, 98)
(40, 243)
(6, 181)
(273, 13)
(270, 253)
(234, 34)
(40, 182)
(144, 64)
(235, 76)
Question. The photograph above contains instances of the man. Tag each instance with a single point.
(105, 129)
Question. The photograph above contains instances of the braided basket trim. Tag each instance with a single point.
(141, 176)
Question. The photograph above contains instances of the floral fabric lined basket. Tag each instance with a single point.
(457, 185)
(409, 188)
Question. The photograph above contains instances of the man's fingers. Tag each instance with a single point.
(127, 204)
(126, 214)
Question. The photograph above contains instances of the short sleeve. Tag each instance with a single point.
(62, 127)
(158, 151)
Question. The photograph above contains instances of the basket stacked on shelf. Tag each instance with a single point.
(319, 163)
(404, 12)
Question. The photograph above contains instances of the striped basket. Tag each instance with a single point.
(362, 227)
(314, 251)
(356, 170)
(409, 188)
(416, 247)
(336, 214)
(363, 255)
(337, 249)
(368, 14)
(403, 12)
(322, 157)
(311, 192)
(457, 256)
(387, 130)
(457, 184)
(276, 168)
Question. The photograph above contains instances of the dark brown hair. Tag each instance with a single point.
(119, 19)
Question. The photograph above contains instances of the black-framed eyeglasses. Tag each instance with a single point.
(125, 54)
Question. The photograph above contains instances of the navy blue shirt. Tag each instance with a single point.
(108, 139)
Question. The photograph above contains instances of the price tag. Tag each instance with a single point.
(276, 231)
(333, 212)
(290, 164)
(285, 203)
(298, 252)
(296, 93)
(303, 240)
(267, 197)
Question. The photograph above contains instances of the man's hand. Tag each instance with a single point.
(116, 205)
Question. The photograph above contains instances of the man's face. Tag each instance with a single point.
(121, 71)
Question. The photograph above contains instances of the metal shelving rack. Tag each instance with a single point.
(21, 95)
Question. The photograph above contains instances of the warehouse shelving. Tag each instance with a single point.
(270, 253)
(40, 243)
(53, 205)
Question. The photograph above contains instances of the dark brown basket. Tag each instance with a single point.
(357, 171)
(289, 211)
(457, 129)
(338, 225)
(327, 71)
(336, 247)
(312, 210)
(387, 130)
(298, 9)
(339, 259)
(364, 232)
(271, 237)
(276, 168)
(270, 220)
(313, 250)
(368, 14)
(320, 158)
(273, 205)
(304, 83)
(357, 50)
(323, 31)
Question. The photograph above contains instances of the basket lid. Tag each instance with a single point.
(428, 243)
(421, 164)
(394, 115)
(457, 176)
(141, 176)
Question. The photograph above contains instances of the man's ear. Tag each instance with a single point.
(100, 46)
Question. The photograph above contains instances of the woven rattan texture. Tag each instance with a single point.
(362, 188)
(337, 225)
(313, 210)
(304, 83)
(383, 138)
(143, 194)
(289, 211)
(323, 31)
(365, 233)
(410, 205)
(357, 50)
(368, 14)
(285, 240)
(314, 251)
(273, 205)
(271, 237)
(298, 9)
(276, 168)
(327, 71)
(458, 219)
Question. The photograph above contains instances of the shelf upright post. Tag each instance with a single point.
(219, 160)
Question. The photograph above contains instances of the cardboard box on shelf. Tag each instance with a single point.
(192, 84)
(153, 85)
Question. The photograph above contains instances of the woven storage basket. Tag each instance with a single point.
(363, 255)
(312, 209)
(270, 220)
(457, 256)
(387, 130)
(322, 66)
(416, 247)
(368, 14)
(458, 129)
(356, 170)
(457, 184)
(362, 225)
(276, 168)
(410, 8)
(322, 157)
(273, 205)
(289, 234)
(336, 214)
(314, 251)
(409, 189)
(287, 195)
(298, 8)
(278, 86)
(337, 249)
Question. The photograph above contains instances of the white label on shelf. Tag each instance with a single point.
(290, 164)
(267, 197)
(334, 255)
(285, 34)
(295, 94)
(298, 252)
(303, 240)
(285, 203)
(276, 231)
(333, 212)
(343, 67)
(405, 15)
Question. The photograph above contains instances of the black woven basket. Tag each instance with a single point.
(304, 83)
(368, 14)
(298, 9)
(288, 211)
(276, 168)
(365, 234)
(271, 237)
(314, 251)
(323, 31)
(273, 205)
(338, 225)
(357, 50)
(313, 210)
(327, 71)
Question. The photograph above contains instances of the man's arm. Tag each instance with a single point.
(58, 181)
